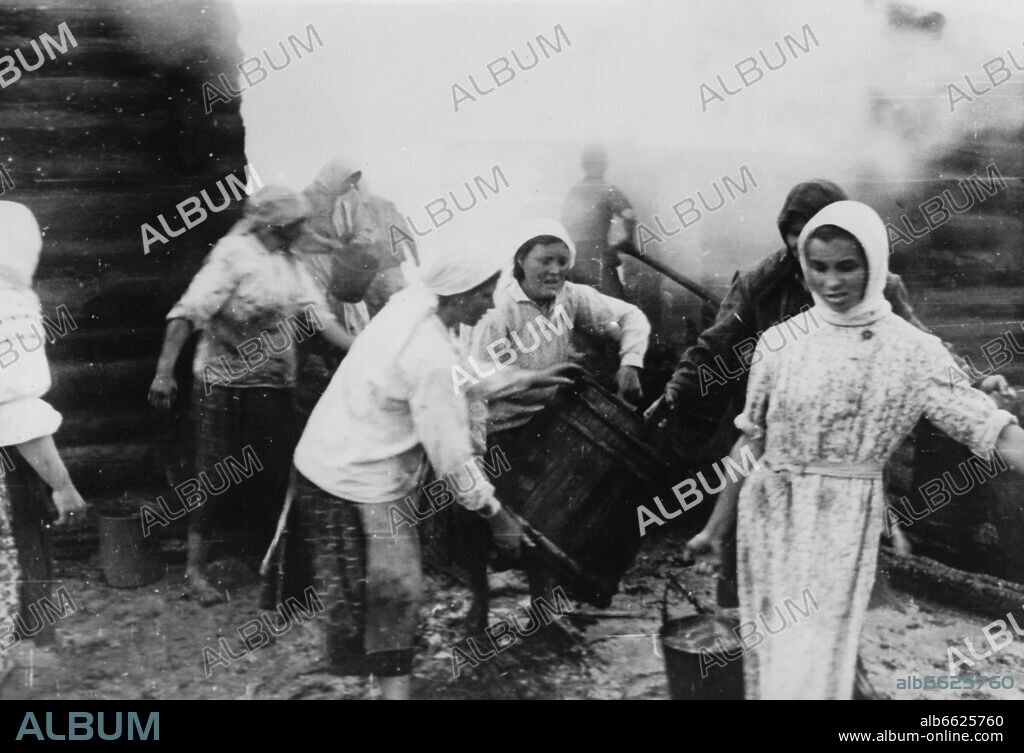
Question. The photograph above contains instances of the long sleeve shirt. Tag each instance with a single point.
(252, 306)
(390, 409)
(540, 336)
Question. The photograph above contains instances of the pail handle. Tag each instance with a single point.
(671, 581)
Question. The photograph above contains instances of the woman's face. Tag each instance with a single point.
(545, 268)
(837, 272)
(472, 305)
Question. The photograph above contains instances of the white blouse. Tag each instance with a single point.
(24, 370)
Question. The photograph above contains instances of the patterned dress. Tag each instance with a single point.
(254, 308)
(832, 403)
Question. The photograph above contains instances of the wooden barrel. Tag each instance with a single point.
(579, 475)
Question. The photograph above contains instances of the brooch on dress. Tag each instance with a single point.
(867, 334)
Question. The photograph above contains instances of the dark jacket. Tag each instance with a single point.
(759, 297)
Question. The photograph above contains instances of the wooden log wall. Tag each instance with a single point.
(106, 136)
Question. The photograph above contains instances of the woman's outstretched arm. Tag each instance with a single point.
(724, 515)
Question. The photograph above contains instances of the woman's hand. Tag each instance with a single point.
(900, 544)
(163, 391)
(336, 335)
(507, 534)
(563, 373)
(70, 505)
(705, 549)
(628, 379)
(996, 384)
(671, 397)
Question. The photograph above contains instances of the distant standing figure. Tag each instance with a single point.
(587, 215)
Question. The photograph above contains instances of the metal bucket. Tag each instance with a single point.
(683, 642)
(128, 558)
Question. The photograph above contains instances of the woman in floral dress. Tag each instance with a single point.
(823, 414)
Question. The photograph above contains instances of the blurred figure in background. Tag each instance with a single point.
(359, 220)
(31, 470)
(587, 215)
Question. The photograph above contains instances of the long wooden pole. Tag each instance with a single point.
(673, 275)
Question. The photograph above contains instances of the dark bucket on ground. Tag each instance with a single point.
(683, 639)
(128, 558)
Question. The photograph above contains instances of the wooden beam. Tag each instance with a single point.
(983, 594)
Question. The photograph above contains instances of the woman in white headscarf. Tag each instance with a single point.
(30, 462)
(389, 411)
(535, 315)
(824, 412)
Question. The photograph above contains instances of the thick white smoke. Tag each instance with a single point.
(868, 104)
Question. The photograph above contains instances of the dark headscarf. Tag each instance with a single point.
(806, 200)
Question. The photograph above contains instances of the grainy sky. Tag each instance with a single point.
(379, 92)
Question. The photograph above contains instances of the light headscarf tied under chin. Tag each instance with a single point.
(864, 224)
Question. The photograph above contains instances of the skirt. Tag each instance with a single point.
(26, 551)
(237, 423)
(369, 578)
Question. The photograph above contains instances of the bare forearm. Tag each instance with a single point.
(42, 455)
(175, 337)
(1010, 446)
(724, 514)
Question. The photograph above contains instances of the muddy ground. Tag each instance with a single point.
(148, 643)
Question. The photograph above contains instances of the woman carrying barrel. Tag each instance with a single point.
(253, 301)
(30, 467)
(389, 410)
(823, 414)
(534, 317)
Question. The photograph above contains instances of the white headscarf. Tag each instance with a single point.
(541, 226)
(864, 224)
(447, 273)
(459, 270)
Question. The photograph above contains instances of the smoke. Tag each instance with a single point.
(866, 107)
